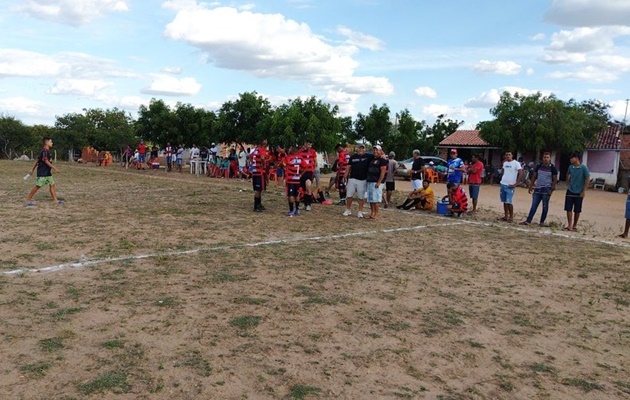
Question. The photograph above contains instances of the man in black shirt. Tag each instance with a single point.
(375, 178)
(417, 169)
(356, 179)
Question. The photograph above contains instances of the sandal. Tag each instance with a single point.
(566, 228)
(502, 219)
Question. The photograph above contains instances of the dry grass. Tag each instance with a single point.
(451, 312)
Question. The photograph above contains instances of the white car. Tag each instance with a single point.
(404, 167)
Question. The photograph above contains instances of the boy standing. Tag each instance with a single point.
(44, 174)
(578, 178)
(542, 184)
(294, 167)
(474, 180)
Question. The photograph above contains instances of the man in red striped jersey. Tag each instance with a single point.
(342, 163)
(294, 168)
(309, 155)
(258, 160)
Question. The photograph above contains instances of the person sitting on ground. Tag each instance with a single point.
(457, 199)
(421, 199)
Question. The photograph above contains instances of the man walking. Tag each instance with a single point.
(543, 181)
(512, 177)
(578, 178)
(474, 180)
(356, 180)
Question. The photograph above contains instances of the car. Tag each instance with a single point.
(404, 167)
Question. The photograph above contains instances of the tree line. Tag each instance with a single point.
(532, 122)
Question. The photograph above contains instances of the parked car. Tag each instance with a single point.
(404, 167)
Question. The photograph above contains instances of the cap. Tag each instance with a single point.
(453, 150)
(213, 144)
(361, 145)
(431, 163)
(377, 147)
(392, 154)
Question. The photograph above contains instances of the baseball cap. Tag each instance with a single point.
(377, 147)
(392, 154)
(361, 145)
(453, 150)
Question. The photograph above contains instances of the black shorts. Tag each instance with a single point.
(258, 183)
(573, 202)
(293, 189)
(340, 184)
(307, 176)
(390, 186)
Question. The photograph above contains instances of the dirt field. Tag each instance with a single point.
(167, 286)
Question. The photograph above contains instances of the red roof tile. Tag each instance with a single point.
(608, 139)
(464, 138)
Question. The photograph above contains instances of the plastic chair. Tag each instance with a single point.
(431, 175)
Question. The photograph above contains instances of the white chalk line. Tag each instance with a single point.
(89, 263)
(525, 230)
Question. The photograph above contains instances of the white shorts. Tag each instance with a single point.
(416, 184)
(356, 186)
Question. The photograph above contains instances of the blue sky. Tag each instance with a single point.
(453, 57)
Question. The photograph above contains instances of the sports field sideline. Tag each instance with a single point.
(168, 286)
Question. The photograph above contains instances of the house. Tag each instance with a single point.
(468, 142)
(603, 155)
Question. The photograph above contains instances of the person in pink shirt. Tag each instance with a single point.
(475, 168)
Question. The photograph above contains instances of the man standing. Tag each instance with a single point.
(356, 179)
(578, 178)
(375, 177)
(390, 183)
(455, 168)
(242, 162)
(474, 180)
(543, 181)
(258, 159)
(294, 166)
(168, 152)
(624, 235)
(309, 155)
(417, 168)
(342, 163)
(512, 177)
(142, 154)
(44, 174)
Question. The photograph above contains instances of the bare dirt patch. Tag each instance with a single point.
(410, 306)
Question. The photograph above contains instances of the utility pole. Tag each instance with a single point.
(625, 115)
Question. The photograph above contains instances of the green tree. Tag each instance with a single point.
(245, 120)
(405, 135)
(156, 123)
(71, 132)
(536, 122)
(15, 137)
(312, 119)
(431, 136)
(375, 126)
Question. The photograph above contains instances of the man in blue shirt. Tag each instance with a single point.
(542, 183)
(578, 179)
(455, 167)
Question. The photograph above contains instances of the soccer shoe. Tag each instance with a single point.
(308, 208)
(30, 204)
(258, 209)
(262, 208)
(290, 214)
(296, 213)
(347, 213)
(342, 202)
(359, 214)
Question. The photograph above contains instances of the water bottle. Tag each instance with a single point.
(27, 176)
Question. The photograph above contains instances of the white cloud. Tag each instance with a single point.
(499, 67)
(459, 113)
(21, 105)
(347, 102)
(602, 91)
(539, 36)
(612, 62)
(618, 109)
(589, 12)
(171, 70)
(563, 57)
(81, 87)
(247, 7)
(360, 39)
(170, 86)
(270, 45)
(530, 71)
(426, 91)
(588, 74)
(22, 63)
(585, 40)
(487, 99)
(72, 12)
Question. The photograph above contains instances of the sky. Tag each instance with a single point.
(431, 57)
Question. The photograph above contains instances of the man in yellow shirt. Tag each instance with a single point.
(422, 199)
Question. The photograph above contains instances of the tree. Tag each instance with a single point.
(156, 123)
(245, 120)
(15, 137)
(431, 136)
(404, 136)
(535, 122)
(298, 121)
(375, 126)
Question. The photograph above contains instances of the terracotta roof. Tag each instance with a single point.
(607, 139)
(464, 138)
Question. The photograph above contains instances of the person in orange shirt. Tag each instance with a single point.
(458, 201)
